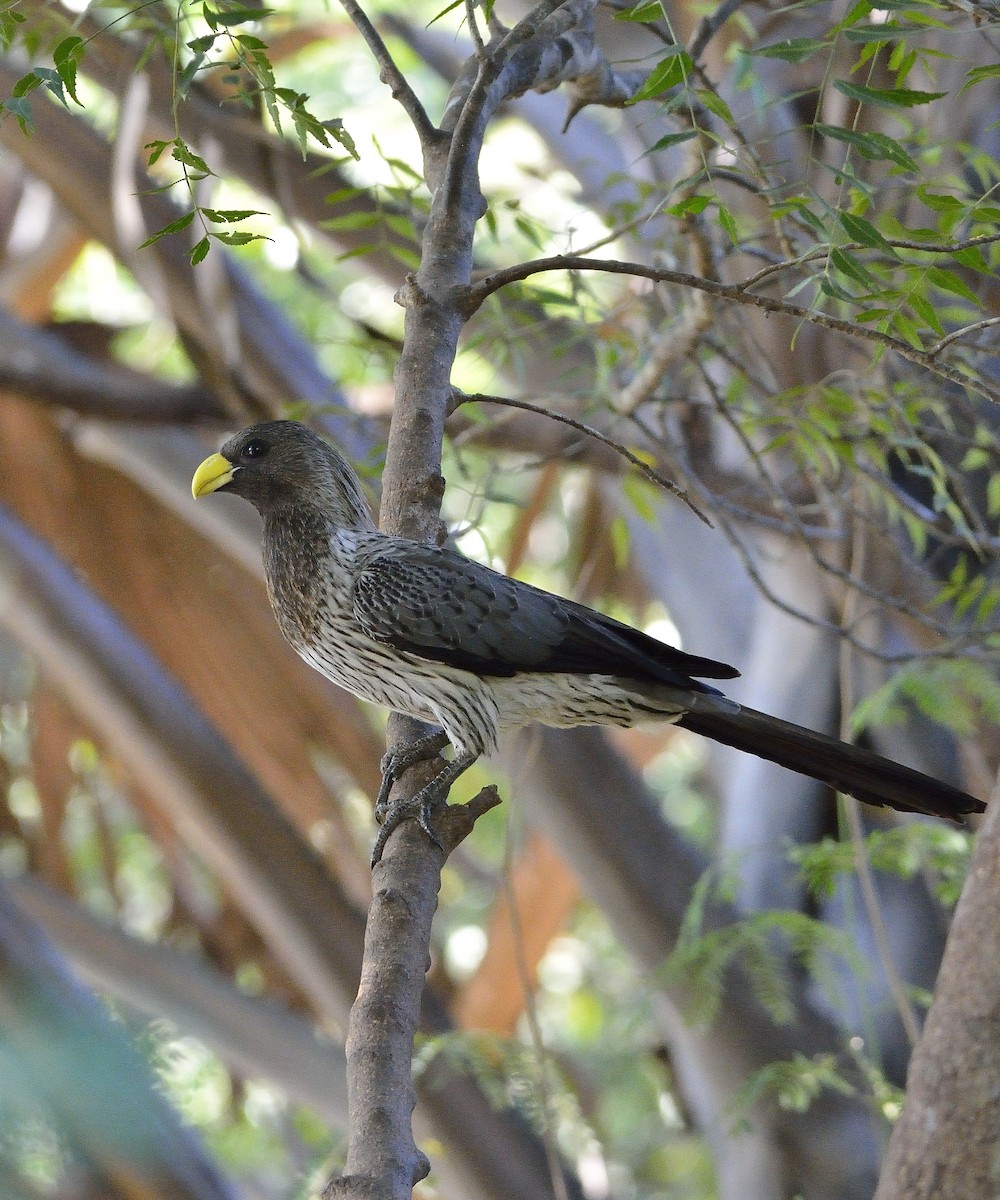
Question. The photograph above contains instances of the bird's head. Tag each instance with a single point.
(280, 465)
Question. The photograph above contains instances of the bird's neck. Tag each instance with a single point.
(309, 524)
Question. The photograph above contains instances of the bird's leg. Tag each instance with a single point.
(396, 762)
(420, 805)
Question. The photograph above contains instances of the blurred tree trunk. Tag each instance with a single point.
(946, 1144)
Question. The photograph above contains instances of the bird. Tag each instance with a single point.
(422, 630)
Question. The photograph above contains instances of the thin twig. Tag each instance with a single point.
(965, 331)
(950, 645)
(650, 473)
(473, 24)
(737, 293)
(710, 25)
(895, 243)
(390, 74)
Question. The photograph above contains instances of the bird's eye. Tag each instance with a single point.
(255, 449)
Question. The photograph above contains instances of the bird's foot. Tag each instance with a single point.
(421, 806)
(398, 761)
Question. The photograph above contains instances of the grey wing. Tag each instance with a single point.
(431, 601)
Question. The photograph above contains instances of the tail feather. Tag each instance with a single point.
(850, 769)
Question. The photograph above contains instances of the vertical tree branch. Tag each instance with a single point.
(383, 1162)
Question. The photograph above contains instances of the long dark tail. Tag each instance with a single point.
(850, 769)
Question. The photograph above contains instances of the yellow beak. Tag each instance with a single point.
(214, 472)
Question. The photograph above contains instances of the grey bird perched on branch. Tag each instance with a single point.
(426, 632)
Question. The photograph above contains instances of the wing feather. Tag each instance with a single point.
(430, 601)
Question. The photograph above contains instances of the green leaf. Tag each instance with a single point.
(902, 63)
(948, 281)
(400, 225)
(215, 17)
(674, 68)
(887, 32)
(792, 49)
(876, 147)
(232, 214)
(644, 12)
(852, 268)
(237, 237)
(673, 139)
(926, 311)
(351, 221)
(885, 97)
(973, 259)
(25, 85)
(66, 57)
(715, 104)
(978, 74)
(10, 18)
(155, 150)
(830, 287)
(691, 206)
(174, 227)
(20, 109)
(993, 495)
(446, 10)
(335, 128)
(728, 223)
(52, 82)
(183, 153)
(907, 329)
(859, 229)
(939, 201)
(198, 251)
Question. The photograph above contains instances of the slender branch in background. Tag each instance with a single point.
(391, 75)
(943, 628)
(649, 472)
(852, 811)
(473, 24)
(737, 293)
(678, 340)
(965, 331)
(61, 1044)
(709, 26)
(949, 646)
(822, 252)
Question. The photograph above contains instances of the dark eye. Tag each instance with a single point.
(255, 449)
